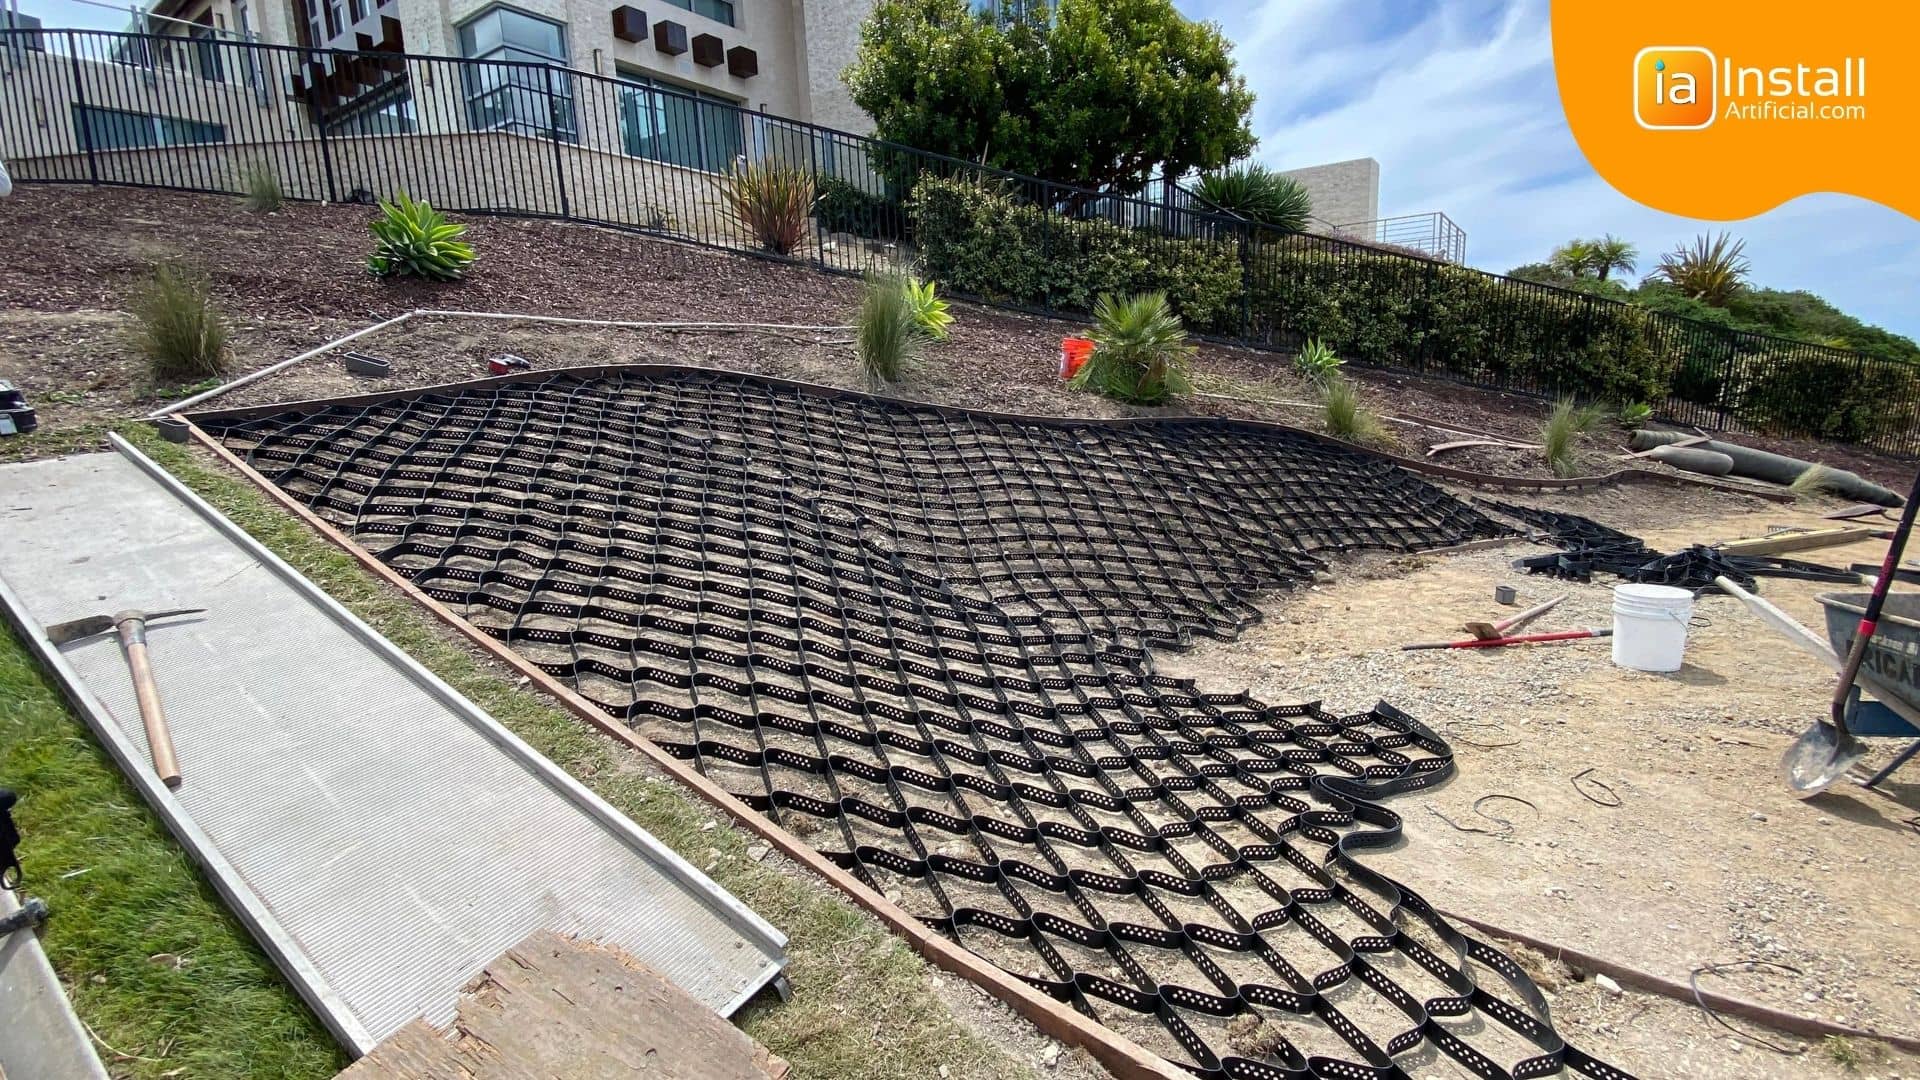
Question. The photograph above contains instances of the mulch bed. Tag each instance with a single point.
(296, 278)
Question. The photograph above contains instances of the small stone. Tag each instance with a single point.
(709, 826)
(943, 1071)
(756, 852)
(165, 959)
(1606, 983)
(1759, 817)
(1050, 1056)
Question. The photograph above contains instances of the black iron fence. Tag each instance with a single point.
(507, 137)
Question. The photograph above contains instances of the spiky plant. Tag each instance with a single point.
(1610, 253)
(1316, 363)
(1346, 414)
(928, 309)
(412, 239)
(263, 189)
(1140, 350)
(772, 201)
(1634, 413)
(1259, 194)
(1712, 271)
(1566, 425)
(888, 336)
(181, 333)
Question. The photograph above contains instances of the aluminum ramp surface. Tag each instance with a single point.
(381, 835)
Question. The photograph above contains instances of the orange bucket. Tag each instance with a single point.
(1074, 352)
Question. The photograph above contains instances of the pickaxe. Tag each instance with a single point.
(132, 626)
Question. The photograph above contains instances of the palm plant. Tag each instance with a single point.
(1574, 259)
(888, 334)
(772, 201)
(1610, 253)
(1259, 194)
(1140, 350)
(1711, 271)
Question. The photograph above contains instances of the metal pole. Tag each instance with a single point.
(553, 132)
(80, 98)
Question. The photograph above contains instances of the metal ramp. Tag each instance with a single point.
(381, 836)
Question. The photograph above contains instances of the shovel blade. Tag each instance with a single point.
(1819, 757)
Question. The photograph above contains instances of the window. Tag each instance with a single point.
(677, 125)
(113, 129)
(1007, 10)
(383, 112)
(718, 10)
(206, 54)
(512, 97)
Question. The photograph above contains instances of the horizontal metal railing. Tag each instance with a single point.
(508, 137)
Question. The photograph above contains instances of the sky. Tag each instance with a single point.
(1456, 100)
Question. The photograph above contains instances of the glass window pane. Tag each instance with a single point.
(721, 137)
(685, 5)
(534, 35)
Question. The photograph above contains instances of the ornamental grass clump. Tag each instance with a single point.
(888, 333)
(1140, 350)
(1566, 426)
(182, 333)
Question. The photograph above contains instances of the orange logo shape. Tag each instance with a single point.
(1673, 87)
(1764, 100)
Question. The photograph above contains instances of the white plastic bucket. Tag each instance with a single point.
(1650, 626)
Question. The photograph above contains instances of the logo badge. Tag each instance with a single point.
(1673, 87)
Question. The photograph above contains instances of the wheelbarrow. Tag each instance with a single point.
(1890, 668)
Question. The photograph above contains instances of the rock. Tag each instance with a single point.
(1606, 983)
(756, 852)
(1050, 1056)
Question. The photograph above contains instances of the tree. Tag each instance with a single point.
(1712, 271)
(1610, 253)
(1573, 259)
(1091, 93)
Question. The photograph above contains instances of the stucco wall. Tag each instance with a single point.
(1343, 192)
(830, 40)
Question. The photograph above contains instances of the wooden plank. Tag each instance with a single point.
(1799, 541)
(555, 1006)
(1126, 1059)
(1691, 440)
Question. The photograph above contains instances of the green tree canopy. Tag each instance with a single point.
(1091, 92)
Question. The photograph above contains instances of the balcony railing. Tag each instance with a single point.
(1433, 234)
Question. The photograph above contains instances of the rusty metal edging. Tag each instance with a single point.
(1543, 483)
(1125, 1058)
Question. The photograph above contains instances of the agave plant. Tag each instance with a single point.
(1140, 350)
(412, 239)
(1259, 194)
(928, 309)
(772, 201)
(1317, 363)
(1711, 271)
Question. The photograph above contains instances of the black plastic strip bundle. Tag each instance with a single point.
(1591, 546)
(918, 637)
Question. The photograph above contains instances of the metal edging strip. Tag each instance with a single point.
(721, 902)
(243, 901)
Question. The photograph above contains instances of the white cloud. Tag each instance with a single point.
(1457, 101)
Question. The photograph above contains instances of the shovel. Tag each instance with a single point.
(1827, 750)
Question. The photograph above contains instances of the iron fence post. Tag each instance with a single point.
(1245, 236)
(84, 126)
(326, 150)
(553, 132)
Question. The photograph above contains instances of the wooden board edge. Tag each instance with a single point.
(1126, 1059)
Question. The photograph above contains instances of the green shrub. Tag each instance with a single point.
(1316, 363)
(845, 207)
(888, 335)
(263, 189)
(1633, 414)
(1828, 397)
(1259, 194)
(979, 241)
(412, 239)
(928, 309)
(772, 201)
(181, 333)
(1566, 425)
(1347, 416)
(1140, 350)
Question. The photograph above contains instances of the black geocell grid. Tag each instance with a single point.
(918, 637)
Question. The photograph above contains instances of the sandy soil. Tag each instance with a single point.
(1707, 859)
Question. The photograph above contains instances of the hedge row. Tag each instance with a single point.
(1391, 311)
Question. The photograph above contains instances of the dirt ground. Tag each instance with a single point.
(72, 258)
(1707, 858)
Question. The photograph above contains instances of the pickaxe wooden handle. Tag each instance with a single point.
(133, 638)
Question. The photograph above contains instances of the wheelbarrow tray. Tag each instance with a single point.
(1892, 661)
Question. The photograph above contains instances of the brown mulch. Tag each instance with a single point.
(70, 258)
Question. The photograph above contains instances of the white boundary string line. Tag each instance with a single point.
(503, 316)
